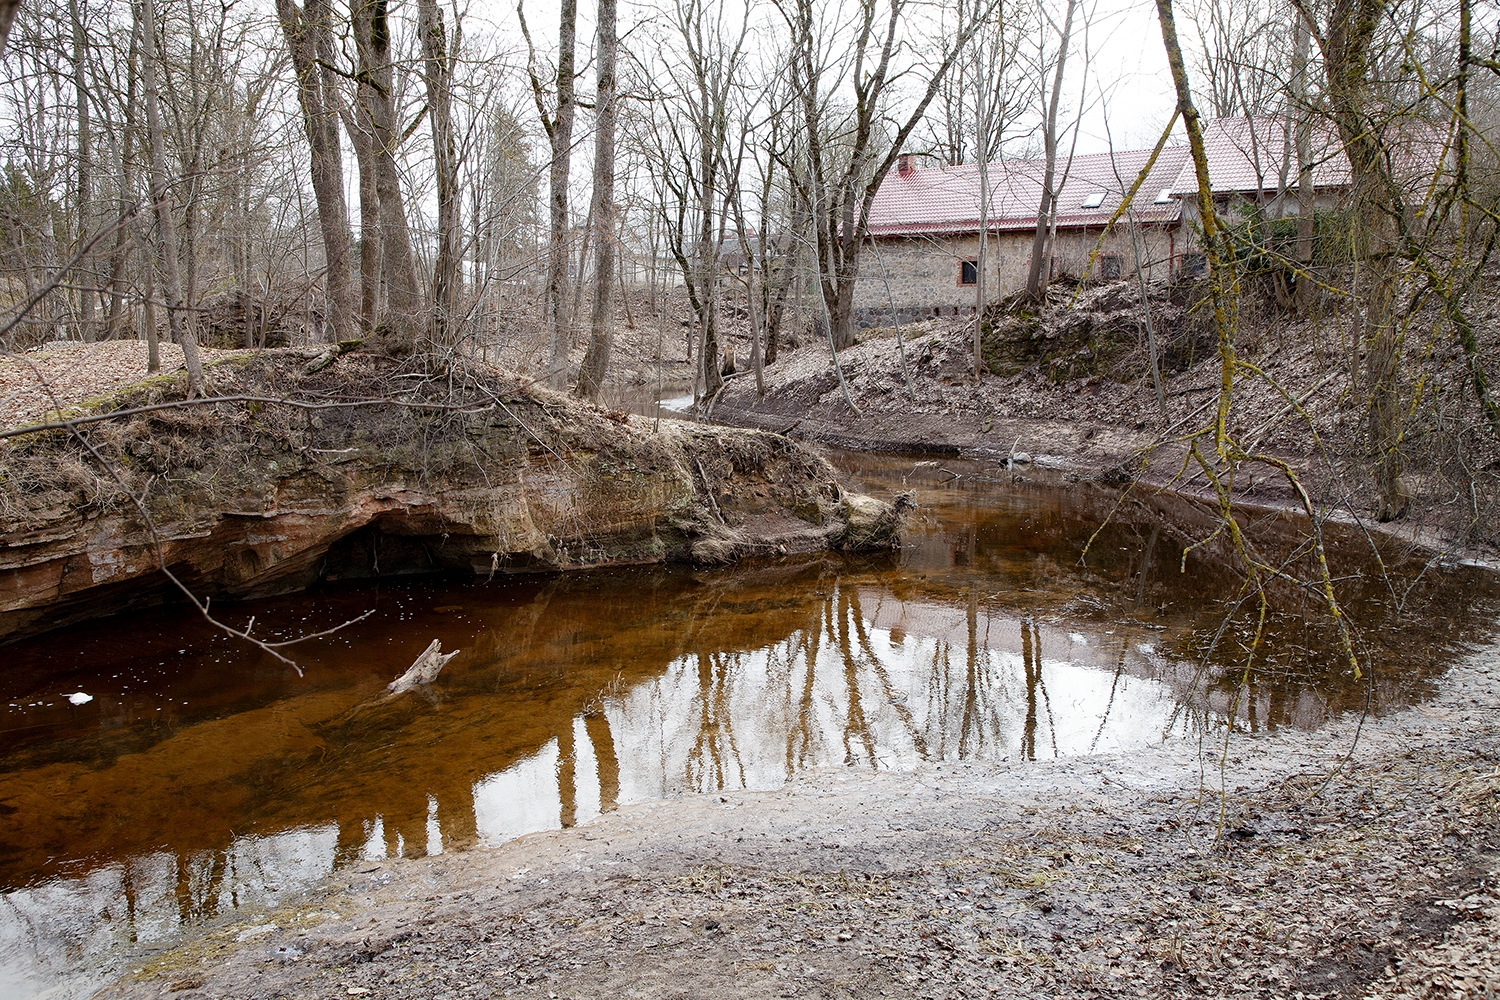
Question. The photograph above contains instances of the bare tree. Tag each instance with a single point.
(1040, 271)
(362, 137)
(990, 75)
(161, 199)
(851, 140)
(688, 151)
(1347, 42)
(558, 127)
(1299, 101)
(602, 211)
(125, 239)
(986, 71)
(438, 71)
(372, 39)
(1236, 42)
(307, 38)
(84, 190)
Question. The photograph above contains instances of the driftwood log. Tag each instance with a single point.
(424, 669)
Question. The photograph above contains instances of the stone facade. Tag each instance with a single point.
(920, 276)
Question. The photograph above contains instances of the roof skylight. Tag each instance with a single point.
(1163, 196)
(1094, 200)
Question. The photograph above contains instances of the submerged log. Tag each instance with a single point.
(248, 499)
(424, 669)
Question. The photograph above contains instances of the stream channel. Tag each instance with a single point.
(203, 780)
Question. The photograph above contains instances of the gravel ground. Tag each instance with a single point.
(1103, 876)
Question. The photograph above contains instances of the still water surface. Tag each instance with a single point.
(204, 778)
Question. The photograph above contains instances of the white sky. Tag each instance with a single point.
(1126, 62)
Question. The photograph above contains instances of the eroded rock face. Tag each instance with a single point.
(250, 500)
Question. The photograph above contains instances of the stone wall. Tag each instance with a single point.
(919, 277)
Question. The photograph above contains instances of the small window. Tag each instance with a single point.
(1163, 196)
(1094, 200)
(968, 272)
(1109, 267)
(1194, 265)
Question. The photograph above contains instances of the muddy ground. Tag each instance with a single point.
(1283, 864)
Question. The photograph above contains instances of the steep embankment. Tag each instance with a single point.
(308, 466)
(1070, 385)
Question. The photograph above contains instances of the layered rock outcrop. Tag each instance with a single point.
(367, 468)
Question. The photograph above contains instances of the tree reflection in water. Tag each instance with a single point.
(206, 780)
(855, 687)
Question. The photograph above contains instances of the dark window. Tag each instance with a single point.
(1194, 265)
(968, 272)
(1109, 267)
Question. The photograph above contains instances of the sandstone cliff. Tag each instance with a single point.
(357, 466)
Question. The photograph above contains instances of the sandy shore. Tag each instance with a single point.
(1281, 865)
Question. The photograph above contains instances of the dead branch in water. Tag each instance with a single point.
(424, 670)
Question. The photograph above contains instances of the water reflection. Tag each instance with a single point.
(860, 688)
(203, 779)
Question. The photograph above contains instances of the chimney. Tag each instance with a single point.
(904, 164)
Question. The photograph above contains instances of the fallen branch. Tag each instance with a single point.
(424, 670)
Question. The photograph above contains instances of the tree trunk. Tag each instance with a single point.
(1378, 208)
(981, 265)
(1221, 279)
(372, 37)
(706, 266)
(868, 146)
(153, 351)
(8, 10)
(439, 78)
(306, 31)
(601, 326)
(85, 216)
(124, 237)
(557, 179)
(161, 199)
(1306, 207)
(362, 138)
(1041, 270)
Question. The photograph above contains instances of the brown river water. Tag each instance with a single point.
(203, 779)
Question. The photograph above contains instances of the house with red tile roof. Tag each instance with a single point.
(925, 221)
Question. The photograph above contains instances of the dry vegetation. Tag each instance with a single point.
(1069, 383)
(308, 463)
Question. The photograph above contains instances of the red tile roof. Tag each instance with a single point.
(1260, 154)
(945, 200)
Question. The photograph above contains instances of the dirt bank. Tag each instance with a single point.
(1069, 386)
(306, 464)
(1093, 876)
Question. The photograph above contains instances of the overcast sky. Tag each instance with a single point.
(1126, 63)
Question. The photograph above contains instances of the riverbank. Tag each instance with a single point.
(309, 464)
(1070, 388)
(1335, 868)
